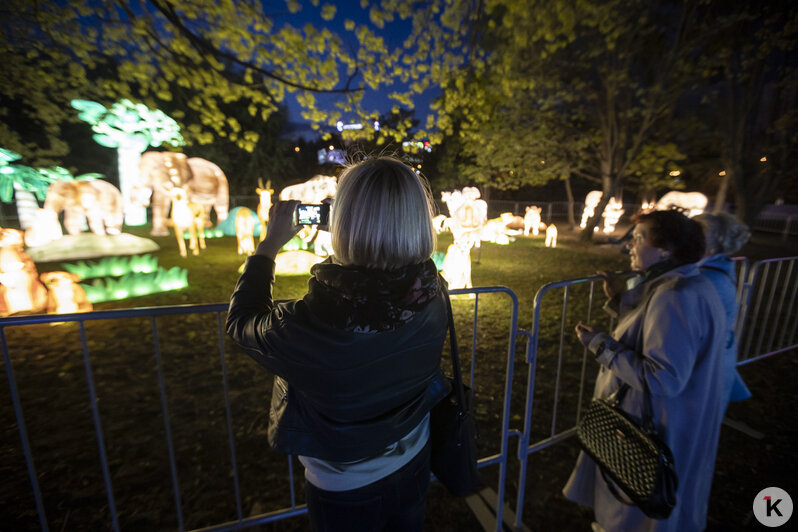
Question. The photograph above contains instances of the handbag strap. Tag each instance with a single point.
(617, 397)
(458, 378)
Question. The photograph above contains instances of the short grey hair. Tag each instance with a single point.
(724, 233)
(382, 216)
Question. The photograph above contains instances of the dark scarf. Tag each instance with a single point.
(359, 299)
(655, 270)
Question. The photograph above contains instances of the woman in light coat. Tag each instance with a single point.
(725, 235)
(671, 333)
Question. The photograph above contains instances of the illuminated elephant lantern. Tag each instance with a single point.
(693, 203)
(204, 182)
(97, 201)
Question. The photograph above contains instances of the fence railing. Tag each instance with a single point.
(147, 323)
(768, 324)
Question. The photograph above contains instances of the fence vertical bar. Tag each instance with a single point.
(584, 355)
(758, 302)
(166, 425)
(228, 414)
(780, 305)
(763, 330)
(474, 341)
(23, 433)
(291, 480)
(559, 361)
(98, 426)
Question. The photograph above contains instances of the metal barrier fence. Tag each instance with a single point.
(180, 481)
(767, 324)
(768, 312)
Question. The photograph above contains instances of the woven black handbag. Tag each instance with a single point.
(630, 456)
(453, 431)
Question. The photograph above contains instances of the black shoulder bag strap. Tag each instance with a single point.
(456, 374)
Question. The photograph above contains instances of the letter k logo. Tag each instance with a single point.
(772, 506)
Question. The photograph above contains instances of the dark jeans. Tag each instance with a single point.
(394, 503)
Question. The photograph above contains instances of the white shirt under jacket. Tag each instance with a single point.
(671, 332)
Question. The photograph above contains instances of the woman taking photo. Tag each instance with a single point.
(357, 359)
(671, 335)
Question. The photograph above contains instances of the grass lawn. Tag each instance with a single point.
(49, 370)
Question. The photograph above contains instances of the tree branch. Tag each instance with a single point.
(203, 45)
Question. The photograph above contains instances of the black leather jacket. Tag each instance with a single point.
(337, 395)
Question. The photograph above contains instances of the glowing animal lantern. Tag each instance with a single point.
(693, 203)
(468, 213)
(295, 262)
(20, 289)
(204, 181)
(612, 213)
(532, 220)
(313, 190)
(245, 229)
(44, 229)
(99, 201)
(551, 236)
(265, 203)
(187, 217)
(64, 294)
(457, 264)
(439, 223)
(322, 246)
(591, 202)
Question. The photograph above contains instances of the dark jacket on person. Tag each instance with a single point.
(338, 394)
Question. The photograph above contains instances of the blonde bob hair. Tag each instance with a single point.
(382, 216)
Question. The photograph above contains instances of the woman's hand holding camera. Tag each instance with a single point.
(282, 228)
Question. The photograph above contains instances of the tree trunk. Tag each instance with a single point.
(26, 206)
(570, 194)
(720, 197)
(129, 154)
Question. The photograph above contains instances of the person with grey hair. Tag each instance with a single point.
(725, 235)
(357, 359)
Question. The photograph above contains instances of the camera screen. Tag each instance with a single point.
(308, 214)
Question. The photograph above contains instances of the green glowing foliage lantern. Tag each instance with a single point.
(130, 128)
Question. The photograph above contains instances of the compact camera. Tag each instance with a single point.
(312, 214)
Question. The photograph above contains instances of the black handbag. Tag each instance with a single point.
(630, 455)
(453, 431)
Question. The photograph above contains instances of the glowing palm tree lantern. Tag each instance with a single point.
(22, 183)
(130, 128)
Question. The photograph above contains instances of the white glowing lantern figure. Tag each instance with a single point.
(295, 262)
(693, 203)
(45, 228)
(532, 220)
(245, 229)
(188, 217)
(64, 294)
(457, 265)
(612, 213)
(264, 193)
(591, 202)
(551, 236)
(20, 289)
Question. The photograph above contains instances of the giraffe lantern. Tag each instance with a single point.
(190, 217)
